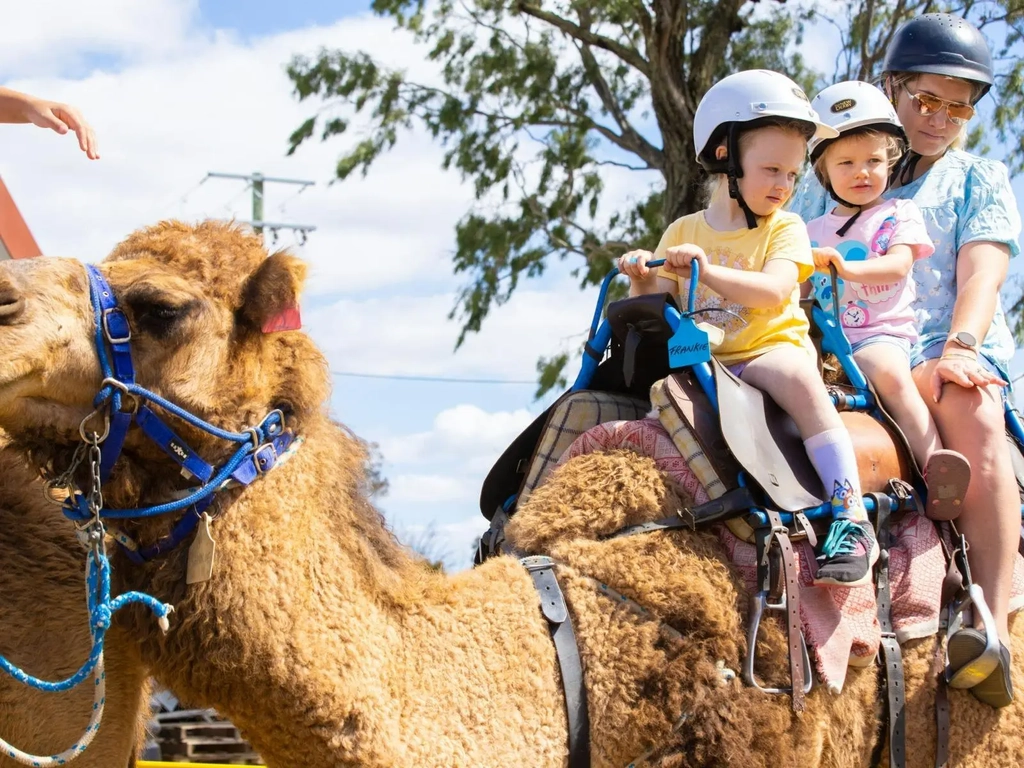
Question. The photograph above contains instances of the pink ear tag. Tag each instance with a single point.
(288, 319)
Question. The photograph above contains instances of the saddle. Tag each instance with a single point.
(756, 435)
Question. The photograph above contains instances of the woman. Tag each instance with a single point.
(936, 69)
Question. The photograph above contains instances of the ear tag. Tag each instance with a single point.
(288, 319)
(688, 345)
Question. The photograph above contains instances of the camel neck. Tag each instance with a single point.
(321, 637)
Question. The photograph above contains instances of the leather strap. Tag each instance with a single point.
(941, 710)
(732, 503)
(552, 605)
(892, 657)
(790, 587)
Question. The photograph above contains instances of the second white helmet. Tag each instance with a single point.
(747, 96)
(853, 104)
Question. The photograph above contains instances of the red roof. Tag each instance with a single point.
(16, 241)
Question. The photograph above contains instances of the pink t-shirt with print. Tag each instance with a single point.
(871, 310)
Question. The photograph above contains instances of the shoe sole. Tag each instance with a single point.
(863, 581)
(947, 476)
(996, 689)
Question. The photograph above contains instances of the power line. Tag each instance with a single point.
(445, 379)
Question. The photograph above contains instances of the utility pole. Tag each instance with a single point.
(257, 180)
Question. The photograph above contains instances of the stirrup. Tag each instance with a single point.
(758, 605)
(970, 595)
(973, 672)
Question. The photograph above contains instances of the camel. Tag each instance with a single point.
(44, 630)
(329, 644)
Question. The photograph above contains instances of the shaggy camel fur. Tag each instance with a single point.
(327, 643)
(44, 629)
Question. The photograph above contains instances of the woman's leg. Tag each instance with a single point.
(972, 422)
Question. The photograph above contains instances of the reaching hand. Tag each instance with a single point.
(679, 257)
(62, 118)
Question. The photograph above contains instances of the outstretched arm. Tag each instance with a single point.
(16, 107)
(891, 267)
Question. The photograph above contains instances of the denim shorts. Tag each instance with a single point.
(901, 342)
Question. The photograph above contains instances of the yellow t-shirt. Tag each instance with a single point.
(779, 236)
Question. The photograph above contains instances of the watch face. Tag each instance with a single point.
(967, 339)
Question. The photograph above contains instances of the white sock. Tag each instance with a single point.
(832, 455)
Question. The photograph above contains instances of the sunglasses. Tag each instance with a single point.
(926, 105)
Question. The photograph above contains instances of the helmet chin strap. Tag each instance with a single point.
(904, 171)
(734, 172)
(841, 232)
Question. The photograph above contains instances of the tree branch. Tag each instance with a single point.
(630, 138)
(627, 54)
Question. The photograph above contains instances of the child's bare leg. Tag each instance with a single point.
(789, 375)
(947, 473)
(887, 367)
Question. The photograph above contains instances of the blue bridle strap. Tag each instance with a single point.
(258, 447)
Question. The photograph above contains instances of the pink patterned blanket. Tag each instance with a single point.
(839, 624)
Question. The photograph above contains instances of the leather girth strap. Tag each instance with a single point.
(787, 574)
(552, 604)
(892, 657)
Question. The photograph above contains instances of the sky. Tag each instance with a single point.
(179, 88)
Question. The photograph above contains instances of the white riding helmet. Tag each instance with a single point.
(744, 97)
(853, 104)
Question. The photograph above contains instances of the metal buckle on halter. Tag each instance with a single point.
(264, 463)
(106, 326)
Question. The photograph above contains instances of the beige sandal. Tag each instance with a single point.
(947, 475)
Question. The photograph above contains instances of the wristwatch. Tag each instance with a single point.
(965, 340)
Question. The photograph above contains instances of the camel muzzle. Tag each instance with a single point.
(12, 303)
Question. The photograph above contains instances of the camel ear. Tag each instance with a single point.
(270, 298)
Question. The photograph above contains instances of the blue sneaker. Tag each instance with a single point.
(847, 555)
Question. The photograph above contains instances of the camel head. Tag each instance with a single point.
(202, 302)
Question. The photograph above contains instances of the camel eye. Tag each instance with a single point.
(156, 318)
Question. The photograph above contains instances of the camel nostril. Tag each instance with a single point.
(11, 305)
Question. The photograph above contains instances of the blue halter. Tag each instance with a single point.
(259, 447)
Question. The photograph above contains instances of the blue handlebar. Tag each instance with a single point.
(606, 283)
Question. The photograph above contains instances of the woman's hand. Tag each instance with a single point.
(964, 370)
(634, 264)
(679, 257)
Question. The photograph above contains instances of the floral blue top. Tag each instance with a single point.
(963, 199)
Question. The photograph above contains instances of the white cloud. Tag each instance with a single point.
(464, 432)
(427, 489)
(46, 37)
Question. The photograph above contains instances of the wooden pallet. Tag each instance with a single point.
(211, 740)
